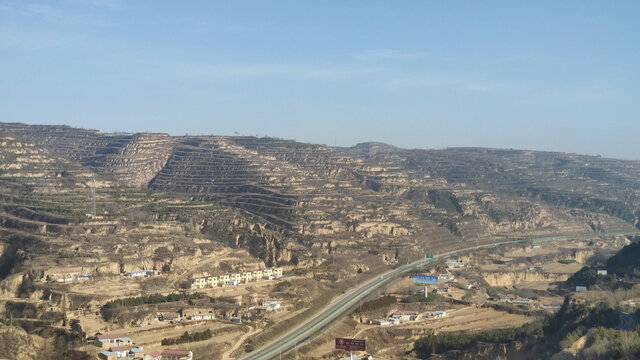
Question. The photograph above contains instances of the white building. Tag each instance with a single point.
(405, 315)
(435, 314)
(271, 304)
(201, 317)
(455, 264)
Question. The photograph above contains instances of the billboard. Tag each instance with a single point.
(425, 280)
(350, 344)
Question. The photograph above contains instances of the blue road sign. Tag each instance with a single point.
(425, 280)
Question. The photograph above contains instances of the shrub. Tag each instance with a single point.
(420, 298)
(186, 337)
(281, 286)
(378, 303)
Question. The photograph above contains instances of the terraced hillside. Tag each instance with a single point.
(590, 183)
(131, 158)
(372, 196)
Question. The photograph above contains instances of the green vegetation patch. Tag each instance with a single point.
(281, 286)
(149, 299)
(626, 262)
(566, 261)
(443, 342)
(378, 303)
(588, 276)
(420, 298)
(17, 309)
(553, 332)
(613, 344)
(186, 338)
(443, 199)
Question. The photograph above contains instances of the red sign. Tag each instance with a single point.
(350, 344)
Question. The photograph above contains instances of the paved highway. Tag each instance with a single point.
(339, 306)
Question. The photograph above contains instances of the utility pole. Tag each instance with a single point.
(93, 195)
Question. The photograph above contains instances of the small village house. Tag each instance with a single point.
(247, 276)
(110, 340)
(154, 355)
(170, 314)
(203, 317)
(63, 274)
(169, 354)
(136, 353)
(107, 355)
(382, 322)
(121, 351)
(271, 305)
(436, 314)
(212, 281)
(405, 315)
(198, 283)
(136, 274)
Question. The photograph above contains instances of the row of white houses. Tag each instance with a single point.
(235, 278)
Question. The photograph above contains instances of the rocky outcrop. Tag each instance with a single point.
(516, 277)
(16, 344)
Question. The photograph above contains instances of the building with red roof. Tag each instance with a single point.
(170, 354)
(154, 355)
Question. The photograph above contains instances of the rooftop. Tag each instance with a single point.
(176, 352)
(405, 313)
(121, 348)
(111, 336)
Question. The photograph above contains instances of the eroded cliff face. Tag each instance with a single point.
(256, 238)
(515, 277)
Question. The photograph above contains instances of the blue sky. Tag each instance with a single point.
(541, 75)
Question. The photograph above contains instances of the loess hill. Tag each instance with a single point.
(192, 205)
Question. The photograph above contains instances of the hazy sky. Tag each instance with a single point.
(543, 75)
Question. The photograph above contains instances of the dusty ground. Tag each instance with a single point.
(468, 318)
(523, 269)
(149, 337)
